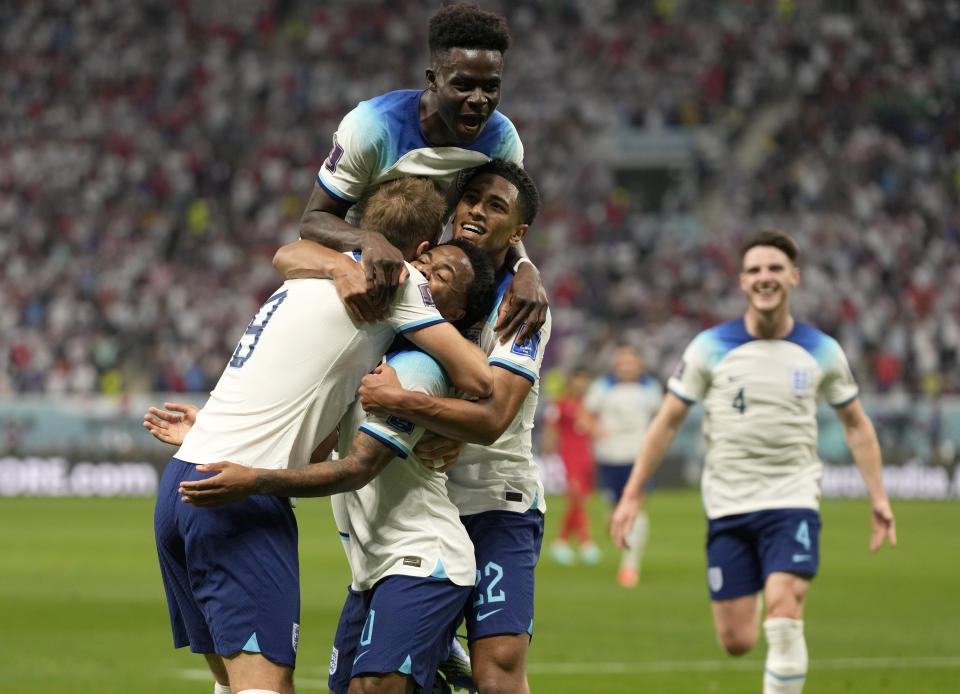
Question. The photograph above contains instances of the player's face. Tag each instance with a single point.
(627, 365)
(767, 277)
(467, 85)
(449, 273)
(488, 214)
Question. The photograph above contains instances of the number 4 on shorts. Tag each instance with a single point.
(803, 535)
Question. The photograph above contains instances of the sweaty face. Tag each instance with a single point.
(767, 276)
(488, 214)
(448, 272)
(467, 83)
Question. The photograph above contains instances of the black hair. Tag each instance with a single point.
(528, 199)
(771, 237)
(467, 26)
(481, 292)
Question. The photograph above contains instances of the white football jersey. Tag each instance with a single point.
(402, 522)
(294, 373)
(381, 140)
(760, 401)
(503, 476)
(624, 412)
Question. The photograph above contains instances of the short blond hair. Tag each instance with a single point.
(407, 211)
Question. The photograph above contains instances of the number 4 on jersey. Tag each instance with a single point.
(739, 403)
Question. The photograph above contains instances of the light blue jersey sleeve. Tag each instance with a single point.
(418, 372)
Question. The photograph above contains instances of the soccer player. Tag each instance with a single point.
(569, 432)
(412, 561)
(451, 125)
(623, 403)
(231, 574)
(495, 484)
(759, 378)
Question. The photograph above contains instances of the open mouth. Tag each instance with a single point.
(473, 229)
(471, 123)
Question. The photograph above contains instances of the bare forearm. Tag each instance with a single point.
(865, 448)
(318, 479)
(655, 446)
(330, 230)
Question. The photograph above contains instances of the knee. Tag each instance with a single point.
(738, 641)
(501, 673)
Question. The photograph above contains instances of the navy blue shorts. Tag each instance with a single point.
(231, 573)
(744, 549)
(507, 547)
(403, 624)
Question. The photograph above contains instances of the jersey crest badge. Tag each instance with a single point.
(527, 349)
(426, 295)
(801, 382)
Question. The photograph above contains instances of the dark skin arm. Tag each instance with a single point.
(323, 222)
(525, 300)
(234, 482)
(480, 421)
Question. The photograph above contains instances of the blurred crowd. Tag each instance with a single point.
(153, 155)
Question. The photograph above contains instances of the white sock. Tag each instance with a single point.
(221, 688)
(636, 542)
(786, 666)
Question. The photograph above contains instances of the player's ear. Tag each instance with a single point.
(431, 79)
(519, 233)
(422, 248)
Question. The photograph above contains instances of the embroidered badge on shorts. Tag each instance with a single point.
(334, 657)
(295, 636)
(715, 578)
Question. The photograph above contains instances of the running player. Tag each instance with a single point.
(451, 125)
(292, 376)
(623, 404)
(759, 378)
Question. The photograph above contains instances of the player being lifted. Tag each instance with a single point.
(759, 378)
(292, 377)
(451, 125)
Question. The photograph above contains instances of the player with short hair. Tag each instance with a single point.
(231, 574)
(496, 483)
(451, 125)
(759, 378)
(623, 404)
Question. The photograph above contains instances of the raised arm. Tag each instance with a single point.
(525, 300)
(481, 421)
(862, 440)
(234, 482)
(663, 430)
(323, 222)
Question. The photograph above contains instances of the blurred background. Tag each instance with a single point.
(153, 155)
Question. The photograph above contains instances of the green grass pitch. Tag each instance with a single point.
(82, 608)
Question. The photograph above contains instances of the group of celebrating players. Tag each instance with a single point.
(436, 496)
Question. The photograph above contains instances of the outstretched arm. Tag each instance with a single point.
(862, 440)
(323, 222)
(232, 482)
(525, 300)
(663, 430)
(479, 421)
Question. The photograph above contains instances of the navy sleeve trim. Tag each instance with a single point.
(685, 399)
(515, 369)
(835, 405)
(331, 192)
(386, 441)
